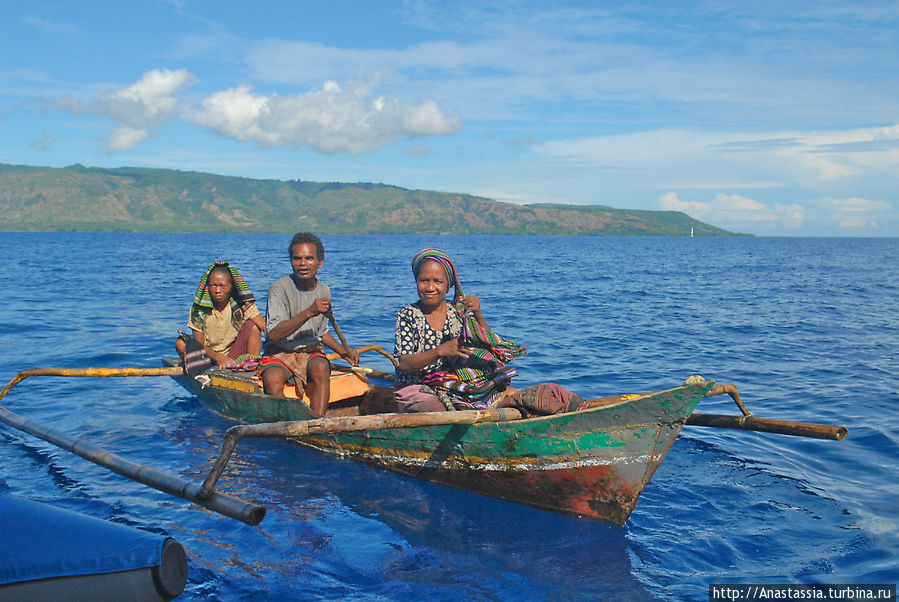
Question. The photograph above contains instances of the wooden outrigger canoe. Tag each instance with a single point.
(592, 463)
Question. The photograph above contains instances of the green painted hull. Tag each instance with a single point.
(593, 463)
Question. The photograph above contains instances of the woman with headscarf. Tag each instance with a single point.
(224, 317)
(448, 356)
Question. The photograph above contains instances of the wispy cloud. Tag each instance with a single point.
(859, 214)
(42, 143)
(675, 156)
(716, 63)
(52, 27)
(735, 209)
(844, 215)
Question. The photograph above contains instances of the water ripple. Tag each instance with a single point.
(807, 328)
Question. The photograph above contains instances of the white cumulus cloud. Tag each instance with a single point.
(125, 138)
(333, 119)
(147, 103)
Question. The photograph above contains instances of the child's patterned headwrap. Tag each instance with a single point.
(444, 260)
(240, 294)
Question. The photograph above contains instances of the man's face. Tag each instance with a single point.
(304, 261)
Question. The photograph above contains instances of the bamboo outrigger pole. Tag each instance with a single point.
(103, 372)
(748, 422)
(249, 513)
(769, 425)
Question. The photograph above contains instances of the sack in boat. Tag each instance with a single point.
(196, 360)
(547, 398)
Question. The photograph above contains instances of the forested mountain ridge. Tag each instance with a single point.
(166, 200)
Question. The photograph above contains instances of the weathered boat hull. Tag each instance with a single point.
(593, 463)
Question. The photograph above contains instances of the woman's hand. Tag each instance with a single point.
(417, 361)
(220, 359)
(472, 303)
(451, 349)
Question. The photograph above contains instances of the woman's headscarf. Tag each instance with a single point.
(240, 294)
(444, 260)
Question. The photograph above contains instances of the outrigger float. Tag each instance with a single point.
(593, 463)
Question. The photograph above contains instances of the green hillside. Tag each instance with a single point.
(165, 200)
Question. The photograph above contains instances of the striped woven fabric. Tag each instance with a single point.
(448, 381)
(480, 380)
(196, 360)
(244, 363)
(476, 336)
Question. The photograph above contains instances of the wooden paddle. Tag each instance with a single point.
(346, 346)
(344, 424)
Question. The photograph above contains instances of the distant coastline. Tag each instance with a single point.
(129, 199)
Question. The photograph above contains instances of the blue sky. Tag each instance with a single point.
(774, 118)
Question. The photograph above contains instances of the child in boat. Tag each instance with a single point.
(297, 320)
(224, 317)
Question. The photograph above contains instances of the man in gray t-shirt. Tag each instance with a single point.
(286, 300)
(296, 320)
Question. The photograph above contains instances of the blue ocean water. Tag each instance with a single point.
(807, 328)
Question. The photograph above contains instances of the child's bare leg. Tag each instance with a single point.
(254, 344)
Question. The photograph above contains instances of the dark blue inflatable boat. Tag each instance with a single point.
(47, 553)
